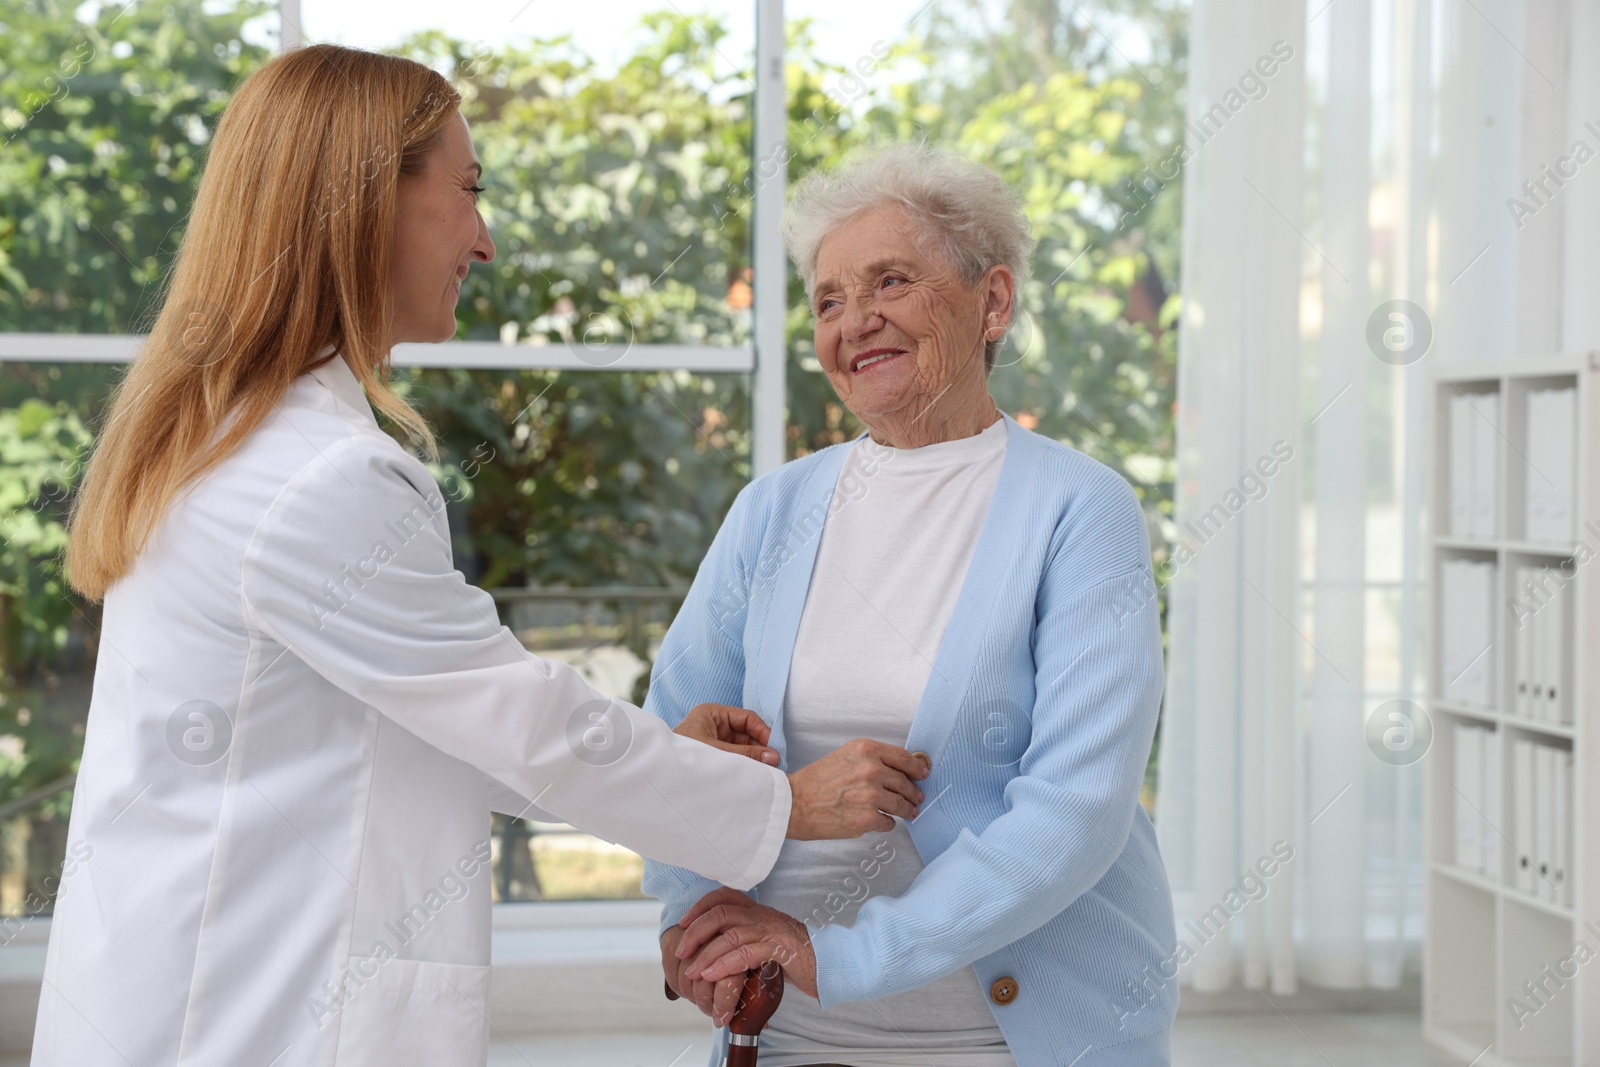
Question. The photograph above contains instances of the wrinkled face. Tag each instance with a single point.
(895, 329)
(438, 232)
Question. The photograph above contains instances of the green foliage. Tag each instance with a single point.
(617, 210)
(614, 200)
(586, 479)
(106, 124)
(44, 446)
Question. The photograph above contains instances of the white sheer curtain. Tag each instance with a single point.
(1227, 751)
(1375, 166)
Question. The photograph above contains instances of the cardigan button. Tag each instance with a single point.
(925, 758)
(1004, 990)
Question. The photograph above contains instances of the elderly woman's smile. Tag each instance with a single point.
(867, 360)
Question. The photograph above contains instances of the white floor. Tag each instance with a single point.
(1310, 1040)
(1319, 1040)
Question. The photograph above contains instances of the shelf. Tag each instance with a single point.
(1499, 718)
(1489, 372)
(1553, 549)
(1541, 548)
(1486, 940)
(1484, 884)
(1548, 907)
(1477, 881)
(1534, 726)
(1469, 710)
(1466, 544)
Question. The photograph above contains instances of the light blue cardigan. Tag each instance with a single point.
(1039, 714)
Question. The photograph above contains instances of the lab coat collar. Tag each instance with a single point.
(342, 382)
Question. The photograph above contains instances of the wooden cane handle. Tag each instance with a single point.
(763, 989)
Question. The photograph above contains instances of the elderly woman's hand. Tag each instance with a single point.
(727, 934)
(731, 729)
(716, 999)
(854, 790)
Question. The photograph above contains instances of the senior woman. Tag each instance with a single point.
(958, 585)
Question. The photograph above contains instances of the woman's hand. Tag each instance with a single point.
(847, 792)
(717, 999)
(731, 729)
(727, 934)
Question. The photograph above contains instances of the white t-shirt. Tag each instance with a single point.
(890, 565)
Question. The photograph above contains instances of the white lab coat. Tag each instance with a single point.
(302, 714)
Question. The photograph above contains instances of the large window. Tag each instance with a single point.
(636, 352)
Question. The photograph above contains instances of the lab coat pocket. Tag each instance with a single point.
(413, 1013)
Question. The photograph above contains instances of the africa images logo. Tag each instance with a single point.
(199, 732)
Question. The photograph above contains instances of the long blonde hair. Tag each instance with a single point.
(287, 251)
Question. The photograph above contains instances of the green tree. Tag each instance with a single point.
(44, 446)
(106, 124)
(615, 206)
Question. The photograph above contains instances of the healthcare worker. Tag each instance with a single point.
(302, 714)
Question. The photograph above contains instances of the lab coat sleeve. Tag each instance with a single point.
(702, 652)
(1069, 809)
(351, 570)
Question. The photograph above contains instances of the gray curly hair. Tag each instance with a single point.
(965, 213)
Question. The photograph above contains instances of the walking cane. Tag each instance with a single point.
(763, 989)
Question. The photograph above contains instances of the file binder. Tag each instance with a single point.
(1523, 876)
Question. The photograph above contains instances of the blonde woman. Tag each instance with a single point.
(302, 713)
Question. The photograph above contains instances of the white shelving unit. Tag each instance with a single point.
(1485, 937)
